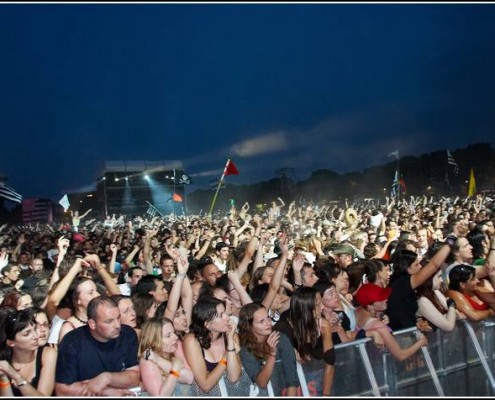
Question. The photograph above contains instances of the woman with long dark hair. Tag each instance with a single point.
(29, 367)
(407, 275)
(433, 306)
(265, 353)
(211, 350)
(310, 334)
(463, 289)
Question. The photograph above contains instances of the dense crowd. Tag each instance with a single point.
(234, 304)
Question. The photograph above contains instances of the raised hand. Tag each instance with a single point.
(4, 259)
(172, 251)
(231, 332)
(298, 262)
(182, 265)
(272, 342)
(63, 245)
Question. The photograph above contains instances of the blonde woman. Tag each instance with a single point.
(161, 361)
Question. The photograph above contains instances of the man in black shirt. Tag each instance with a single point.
(100, 358)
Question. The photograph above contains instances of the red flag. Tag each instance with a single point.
(177, 197)
(231, 169)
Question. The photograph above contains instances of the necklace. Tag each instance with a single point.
(80, 320)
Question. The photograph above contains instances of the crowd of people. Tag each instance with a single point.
(234, 304)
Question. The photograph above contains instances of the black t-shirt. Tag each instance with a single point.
(402, 304)
(81, 357)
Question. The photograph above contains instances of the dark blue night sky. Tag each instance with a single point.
(306, 86)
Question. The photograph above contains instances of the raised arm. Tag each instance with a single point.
(258, 259)
(206, 245)
(147, 250)
(489, 265)
(429, 269)
(174, 297)
(297, 265)
(63, 246)
(241, 291)
(86, 213)
(250, 248)
(278, 275)
(113, 259)
(111, 286)
(132, 254)
(56, 296)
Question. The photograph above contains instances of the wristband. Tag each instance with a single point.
(182, 274)
(231, 349)
(450, 240)
(491, 248)
(223, 361)
(257, 237)
(4, 384)
(451, 303)
(174, 373)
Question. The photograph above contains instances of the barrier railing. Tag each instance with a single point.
(457, 363)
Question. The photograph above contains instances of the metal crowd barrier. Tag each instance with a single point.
(457, 363)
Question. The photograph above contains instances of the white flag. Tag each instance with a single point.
(64, 202)
(394, 154)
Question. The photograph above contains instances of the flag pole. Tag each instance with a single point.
(218, 188)
(173, 201)
(398, 180)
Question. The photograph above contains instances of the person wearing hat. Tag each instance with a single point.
(372, 300)
(344, 255)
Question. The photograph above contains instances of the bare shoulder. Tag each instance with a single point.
(190, 340)
(49, 355)
(454, 295)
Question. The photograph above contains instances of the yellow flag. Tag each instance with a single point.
(472, 184)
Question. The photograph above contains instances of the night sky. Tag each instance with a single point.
(305, 86)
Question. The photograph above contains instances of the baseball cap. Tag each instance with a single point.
(345, 249)
(368, 293)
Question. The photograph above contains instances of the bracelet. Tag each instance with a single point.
(182, 274)
(231, 349)
(4, 384)
(491, 248)
(174, 373)
(223, 361)
(257, 237)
